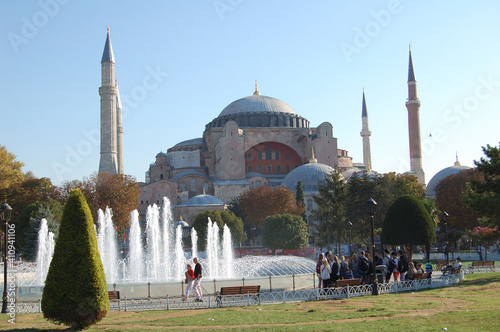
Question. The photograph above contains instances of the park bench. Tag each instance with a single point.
(451, 270)
(478, 264)
(238, 291)
(421, 276)
(114, 295)
(348, 282)
(442, 263)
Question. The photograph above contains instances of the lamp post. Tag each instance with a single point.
(371, 206)
(444, 215)
(350, 228)
(5, 213)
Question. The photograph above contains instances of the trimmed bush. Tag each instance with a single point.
(408, 222)
(75, 292)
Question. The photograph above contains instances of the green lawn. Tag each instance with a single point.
(473, 305)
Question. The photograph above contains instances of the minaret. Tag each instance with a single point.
(366, 133)
(108, 93)
(413, 106)
(120, 130)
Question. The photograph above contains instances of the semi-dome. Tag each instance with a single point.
(442, 174)
(203, 200)
(310, 174)
(257, 104)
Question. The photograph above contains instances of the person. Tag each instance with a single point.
(325, 273)
(318, 268)
(387, 261)
(189, 281)
(197, 280)
(363, 266)
(402, 264)
(412, 271)
(480, 252)
(455, 268)
(428, 268)
(395, 271)
(334, 270)
(353, 265)
(345, 272)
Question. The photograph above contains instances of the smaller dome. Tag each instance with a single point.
(203, 200)
(161, 154)
(442, 174)
(310, 174)
(181, 223)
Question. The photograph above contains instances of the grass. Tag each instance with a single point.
(473, 305)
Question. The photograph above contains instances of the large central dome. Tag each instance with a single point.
(257, 104)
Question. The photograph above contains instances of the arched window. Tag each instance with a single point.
(249, 169)
(277, 154)
(249, 156)
(287, 169)
(269, 169)
(259, 154)
(278, 168)
(268, 153)
(161, 176)
(259, 168)
(193, 184)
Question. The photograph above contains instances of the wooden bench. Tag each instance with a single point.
(442, 263)
(478, 264)
(114, 295)
(348, 282)
(237, 291)
(420, 276)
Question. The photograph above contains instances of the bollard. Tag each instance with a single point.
(114, 287)
(182, 287)
(243, 280)
(270, 285)
(125, 303)
(149, 289)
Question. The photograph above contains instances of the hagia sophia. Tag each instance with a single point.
(256, 140)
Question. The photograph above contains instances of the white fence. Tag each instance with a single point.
(272, 297)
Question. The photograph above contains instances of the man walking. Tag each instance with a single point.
(197, 280)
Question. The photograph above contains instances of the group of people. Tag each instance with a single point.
(392, 264)
(193, 280)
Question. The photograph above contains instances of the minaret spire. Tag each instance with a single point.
(109, 96)
(365, 133)
(256, 93)
(413, 106)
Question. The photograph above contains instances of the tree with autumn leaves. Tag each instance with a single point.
(256, 204)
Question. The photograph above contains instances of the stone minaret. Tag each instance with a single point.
(109, 93)
(120, 130)
(413, 106)
(366, 133)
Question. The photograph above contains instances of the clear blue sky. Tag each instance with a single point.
(314, 55)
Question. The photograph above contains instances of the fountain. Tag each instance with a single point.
(45, 252)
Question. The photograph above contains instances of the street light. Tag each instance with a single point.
(350, 228)
(371, 206)
(444, 215)
(5, 213)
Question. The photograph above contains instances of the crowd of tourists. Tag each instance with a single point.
(388, 266)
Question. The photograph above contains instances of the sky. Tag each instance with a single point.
(180, 63)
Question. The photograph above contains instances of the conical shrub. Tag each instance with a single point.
(75, 292)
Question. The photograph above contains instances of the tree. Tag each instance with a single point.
(117, 191)
(285, 231)
(485, 235)
(36, 212)
(449, 197)
(10, 169)
(408, 223)
(221, 218)
(484, 196)
(75, 291)
(256, 204)
(331, 213)
(299, 197)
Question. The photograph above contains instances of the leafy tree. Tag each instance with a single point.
(10, 169)
(75, 291)
(118, 191)
(449, 197)
(37, 211)
(221, 218)
(299, 196)
(485, 235)
(484, 196)
(256, 204)
(408, 223)
(285, 231)
(331, 213)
